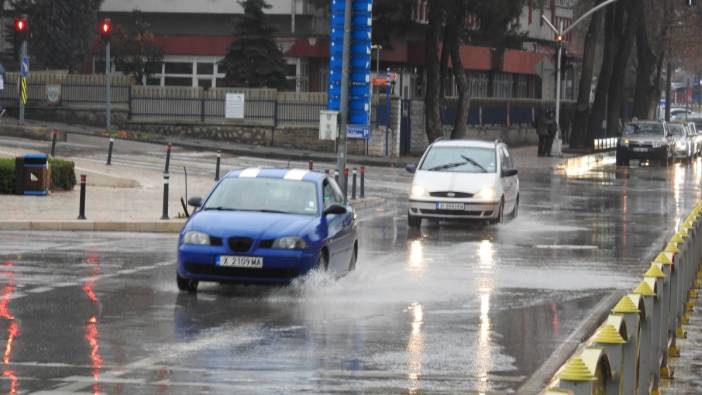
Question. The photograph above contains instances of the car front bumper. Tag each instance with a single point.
(638, 153)
(279, 266)
(471, 210)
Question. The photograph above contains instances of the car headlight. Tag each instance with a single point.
(290, 243)
(197, 238)
(625, 142)
(488, 193)
(681, 144)
(418, 191)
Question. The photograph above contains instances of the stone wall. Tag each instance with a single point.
(70, 115)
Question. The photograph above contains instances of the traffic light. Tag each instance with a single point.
(21, 27)
(106, 29)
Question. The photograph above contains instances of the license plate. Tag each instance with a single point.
(449, 206)
(255, 262)
(640, 149)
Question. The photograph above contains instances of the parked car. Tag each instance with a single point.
(696, 134)
(683, 140)
(645, 141)
(463, 180)
(267, 226)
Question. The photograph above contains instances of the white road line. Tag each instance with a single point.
(566, 247)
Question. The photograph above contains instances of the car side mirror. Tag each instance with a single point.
(509, 173)
(411, 168)
(195, 201)
(335, 209)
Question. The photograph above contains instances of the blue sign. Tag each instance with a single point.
(358, 131)
(24, 70)
(359, 62)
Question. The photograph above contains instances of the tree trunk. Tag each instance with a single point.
(647, 61)
(460, 124)
(444, 73)
(599, 107)
(432, 100)
(615, 101)
(581, 137)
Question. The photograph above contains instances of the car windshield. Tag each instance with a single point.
(677, 130)
(636, 129)
(265, 195)
(460, 159)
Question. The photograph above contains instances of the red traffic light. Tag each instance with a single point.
(106, 28)
(20, 25)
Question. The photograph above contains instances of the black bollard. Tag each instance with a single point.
(363, 182)
(109, 151)
(53, 143)
(168, 158)
(336, 176)
(81, 210)
(353, 185)
(219, 160)
(165, 196)
(346, 184)
(310, 165)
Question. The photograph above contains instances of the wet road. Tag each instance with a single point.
(446, 309)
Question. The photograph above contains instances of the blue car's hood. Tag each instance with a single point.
(249, 224)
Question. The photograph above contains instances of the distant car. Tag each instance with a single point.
(684, 141)
(463, 180)
(696, 136)
(645, 141)
(267, 226)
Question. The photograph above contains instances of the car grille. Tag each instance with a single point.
(240, 244)
(450, 194)
(215, 241)
(213, 270)
(649, 146)
(455, 212)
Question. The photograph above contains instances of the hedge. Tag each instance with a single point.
(63, 176)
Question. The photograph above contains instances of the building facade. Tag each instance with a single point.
(195, 36)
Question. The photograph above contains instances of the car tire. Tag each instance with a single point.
(185, 284)
(414, 221)
(500, 213)
(515, 210)
(354, 258)
(322, 263)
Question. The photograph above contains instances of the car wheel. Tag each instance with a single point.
(500, 213)
(354, 257)
(185, 284)
(515, 211)
(414, 221)
(322, 264)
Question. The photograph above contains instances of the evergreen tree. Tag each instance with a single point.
(254, 59)
(61, 31)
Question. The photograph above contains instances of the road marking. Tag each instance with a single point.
(566, 247)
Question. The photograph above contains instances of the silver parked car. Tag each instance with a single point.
(683, 141)
(696, 136)
(645, 141)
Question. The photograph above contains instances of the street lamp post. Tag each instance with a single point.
(560, 38)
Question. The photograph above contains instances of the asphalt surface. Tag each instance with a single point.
(450, 308)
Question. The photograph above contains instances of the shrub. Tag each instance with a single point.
(63, 176)
(7, 175)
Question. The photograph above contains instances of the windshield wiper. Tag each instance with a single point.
(474, 163)
(274, 211)
(219, 208)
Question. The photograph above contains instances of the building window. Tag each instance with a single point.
(179, 68)
(204, 83)
(502, 85)
(478, 83)
(205, 68)
(178, 81)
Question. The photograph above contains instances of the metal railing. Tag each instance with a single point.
(631, 350)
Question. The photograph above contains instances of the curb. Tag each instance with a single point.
(538, 381)
(95, 226)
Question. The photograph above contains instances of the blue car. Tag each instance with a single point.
(267, 226)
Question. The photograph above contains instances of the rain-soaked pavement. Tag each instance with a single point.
(447, 309)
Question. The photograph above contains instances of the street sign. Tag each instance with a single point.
(328, 125)
(234, 105)
(359, 99)
(24, 70)
(358, 131)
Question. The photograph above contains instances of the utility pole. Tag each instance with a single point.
(21, 32)
(344, 96)
(106, 33)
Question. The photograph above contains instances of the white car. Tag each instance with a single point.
(463, 180)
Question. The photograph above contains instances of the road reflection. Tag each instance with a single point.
(415, 348)
(92, 333)
(13, 329)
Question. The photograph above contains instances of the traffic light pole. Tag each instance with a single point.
(344, 97)
(108, 87)
(23, 54)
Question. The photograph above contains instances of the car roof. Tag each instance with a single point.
(279, 173)
(465, 143)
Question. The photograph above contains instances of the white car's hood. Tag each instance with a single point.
(444, 181)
